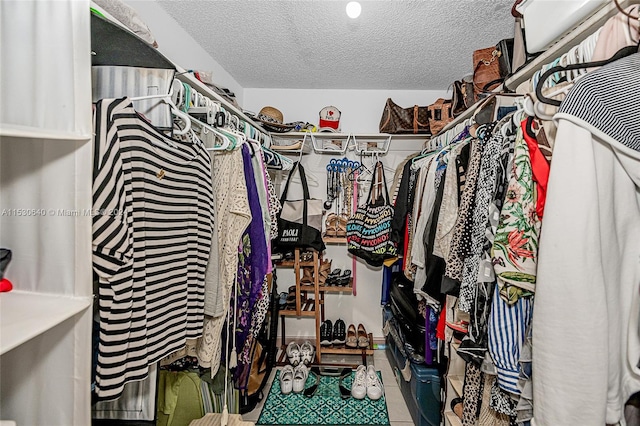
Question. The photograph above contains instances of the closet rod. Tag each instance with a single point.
(189, 78)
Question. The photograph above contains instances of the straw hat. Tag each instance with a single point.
(272, 117)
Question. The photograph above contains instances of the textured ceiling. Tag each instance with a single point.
(314, 45)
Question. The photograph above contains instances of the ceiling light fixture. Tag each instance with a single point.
(353, 9)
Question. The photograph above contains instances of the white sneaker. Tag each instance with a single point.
(293, 353)
(286, 380)
(359, 386)
(374, 385)
(300, 374)
(306, 353)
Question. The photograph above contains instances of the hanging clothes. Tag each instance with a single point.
(252, 263)
(587, 298)
(515, 247)
(151, 242)
(234, 215)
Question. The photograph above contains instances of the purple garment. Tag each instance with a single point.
(252, 267)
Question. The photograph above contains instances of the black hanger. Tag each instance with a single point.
(625, 51)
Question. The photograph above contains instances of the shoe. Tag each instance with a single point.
(306, 353)
(282, 300)
(286, 380)
(306, 256)
(326, 333)
(343, 280)
(359, 386)
(341, 226)
(363, 337)
(330, 223)
(374, 385)
(459, 326)
(291, 297)
(293, 353)
(332, 278)
(352, 340)
(300, 374)
(323, 272)
(307, 276)
(457, 405)
(339, 333)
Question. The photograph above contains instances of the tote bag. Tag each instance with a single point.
(369, 229)
(300, 221)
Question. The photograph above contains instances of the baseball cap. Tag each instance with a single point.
(329, 118)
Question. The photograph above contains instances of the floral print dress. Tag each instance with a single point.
(515, 248)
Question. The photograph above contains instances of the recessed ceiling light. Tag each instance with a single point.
(353, 9)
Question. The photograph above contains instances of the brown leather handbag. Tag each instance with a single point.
(486, 70)
(397, 120)
(441, 115)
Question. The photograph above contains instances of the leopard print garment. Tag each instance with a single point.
(274, 208)
(259, 314)
(454, 265)
(471, 394)
(484, 196)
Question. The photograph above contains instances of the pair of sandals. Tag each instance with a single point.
(323, 273)
(336, 226)
(288, 300)
(293, 379)
(300, 354)
(337, 277)
(357, 339)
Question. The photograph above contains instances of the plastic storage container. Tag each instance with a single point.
(422, 391)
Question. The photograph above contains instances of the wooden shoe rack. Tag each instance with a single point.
(310, 300)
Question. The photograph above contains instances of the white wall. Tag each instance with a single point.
(361, 111)
(177, 45)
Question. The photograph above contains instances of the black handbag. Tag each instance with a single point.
(369, 229)
(300, 221)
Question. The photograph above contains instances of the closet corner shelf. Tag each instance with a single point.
(336, 289)
(452, 419)
(16, 131)
(334, 240)
(303, 313)
(25, 315)
(291, 264)
(457, 384)
(349, 351)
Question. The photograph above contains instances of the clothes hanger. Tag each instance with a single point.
(166, 98)
(625, 51)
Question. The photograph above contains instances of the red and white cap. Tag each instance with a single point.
(330, 118)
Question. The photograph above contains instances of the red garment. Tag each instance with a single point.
(442, 322)
(540, 167)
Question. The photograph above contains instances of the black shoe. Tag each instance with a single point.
(326, 333)
(339, 333)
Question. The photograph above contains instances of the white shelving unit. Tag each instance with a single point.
(340, 143)
(45, 203)
(44, 312)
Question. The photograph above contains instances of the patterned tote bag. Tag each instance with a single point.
(369, 229)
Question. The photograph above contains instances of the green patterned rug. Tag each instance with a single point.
(324, 408)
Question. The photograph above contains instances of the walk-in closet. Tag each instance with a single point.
(236, 213)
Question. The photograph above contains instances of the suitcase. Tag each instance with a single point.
(404, 306)
(422, 392)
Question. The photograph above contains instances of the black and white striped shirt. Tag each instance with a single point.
(152, 227)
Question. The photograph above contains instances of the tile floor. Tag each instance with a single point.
(398, 412)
